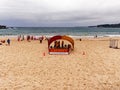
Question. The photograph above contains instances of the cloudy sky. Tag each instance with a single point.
(58, 12)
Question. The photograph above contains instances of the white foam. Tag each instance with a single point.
(111, 35)
(48, 36)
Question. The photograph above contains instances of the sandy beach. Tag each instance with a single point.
(23, 66)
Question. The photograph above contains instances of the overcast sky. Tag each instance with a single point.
(58, 12)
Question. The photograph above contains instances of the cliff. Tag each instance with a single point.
(3, 27)
(109, 25)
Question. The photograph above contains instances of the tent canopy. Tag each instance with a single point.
(57, 37)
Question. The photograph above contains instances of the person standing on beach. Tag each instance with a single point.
(28, 38)
(8, 41)
(22, 38)
(62, 44)
(18, 38)
(96, 36)
(40, 39)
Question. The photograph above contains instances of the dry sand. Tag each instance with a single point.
(24, 67)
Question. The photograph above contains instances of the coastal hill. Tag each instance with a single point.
(108, 25)
(3, 27)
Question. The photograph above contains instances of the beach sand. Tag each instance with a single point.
(91, 66)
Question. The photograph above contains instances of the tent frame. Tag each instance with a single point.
(65, 51)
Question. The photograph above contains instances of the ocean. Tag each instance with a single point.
(51, 31)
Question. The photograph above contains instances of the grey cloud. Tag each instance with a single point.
(48, 13)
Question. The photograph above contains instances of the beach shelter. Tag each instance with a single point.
(59, 48)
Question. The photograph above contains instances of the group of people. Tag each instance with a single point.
(34, 38)
(20, 37)
(3, 41)
(28, 38)
(58, 44)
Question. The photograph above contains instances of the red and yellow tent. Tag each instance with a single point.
(60, 50)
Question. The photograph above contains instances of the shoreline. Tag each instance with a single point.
(72, 36)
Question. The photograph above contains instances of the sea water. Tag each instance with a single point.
(51, 31)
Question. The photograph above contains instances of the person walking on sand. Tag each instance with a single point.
(8, 41)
